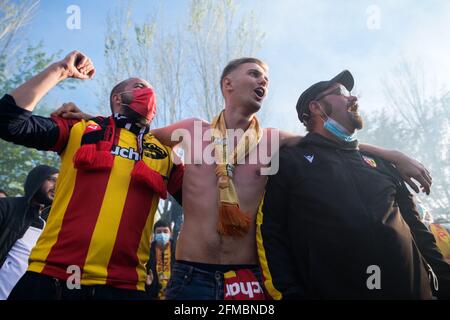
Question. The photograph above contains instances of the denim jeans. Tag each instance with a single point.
(190, 283)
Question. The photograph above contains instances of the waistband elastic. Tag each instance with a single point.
(217, 267)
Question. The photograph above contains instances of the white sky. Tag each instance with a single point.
(310, 41)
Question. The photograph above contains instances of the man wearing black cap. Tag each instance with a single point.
(337, 223)
(22, 220)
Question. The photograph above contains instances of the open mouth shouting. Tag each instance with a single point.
(353, 108)
(354, 115)
(260, 92)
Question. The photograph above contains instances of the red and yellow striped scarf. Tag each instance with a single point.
(163, 257)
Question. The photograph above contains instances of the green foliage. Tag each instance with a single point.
(25, 64)
(18, 63)
(17, 161)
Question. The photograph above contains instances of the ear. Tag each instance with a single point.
(316, 109)
(227, 84)
(116, 102)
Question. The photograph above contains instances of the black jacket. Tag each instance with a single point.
(331, 216)
(17, 214)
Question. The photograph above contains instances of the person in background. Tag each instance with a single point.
(22, 220)
(3, 193)
(162, 257)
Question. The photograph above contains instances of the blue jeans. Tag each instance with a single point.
(192, 283)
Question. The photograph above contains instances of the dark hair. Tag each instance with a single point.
(234, 64)
(120, 87)
(310, 122)
(162, 223)
(3, 191)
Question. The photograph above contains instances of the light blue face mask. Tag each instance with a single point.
(162, 238)
(338, 130)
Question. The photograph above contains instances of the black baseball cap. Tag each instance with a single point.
(345, 78)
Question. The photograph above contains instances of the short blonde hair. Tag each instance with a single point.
(234, 64)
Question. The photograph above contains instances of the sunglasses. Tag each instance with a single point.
(339, 91)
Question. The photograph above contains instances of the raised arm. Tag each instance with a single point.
(173, 134)
(408, 167)
(170, 135)
(289, 139)
(74, 65)
(18, 125)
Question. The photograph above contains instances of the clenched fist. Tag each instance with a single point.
(77, 65)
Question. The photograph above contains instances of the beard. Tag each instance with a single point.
(43, 197)
(134, 117)
(355, 118)
(356, 121)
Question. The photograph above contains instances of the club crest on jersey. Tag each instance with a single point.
(151, 150)
(370, 161)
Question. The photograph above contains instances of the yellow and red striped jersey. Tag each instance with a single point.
(101, 221)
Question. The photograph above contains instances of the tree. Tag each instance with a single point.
(17, 64)
(183, 64)
(13, 17)
(216, 35)
(419, 125)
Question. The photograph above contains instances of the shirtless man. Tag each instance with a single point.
(205, 256)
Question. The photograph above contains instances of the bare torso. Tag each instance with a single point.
(199, 240)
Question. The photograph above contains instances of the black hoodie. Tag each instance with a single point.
(17, 214)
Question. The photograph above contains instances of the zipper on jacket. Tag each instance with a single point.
(433, 279)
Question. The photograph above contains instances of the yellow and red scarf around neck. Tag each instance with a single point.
(232, 221)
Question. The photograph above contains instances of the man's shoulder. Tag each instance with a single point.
(277, 132)
(381, 164)
(156, 146)
(151, 138)
(70, 123)
(376, 158)
(13, 199)
(189, 124)
(291, 154)
(100, 121)
(10, 203)
(192, 122)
